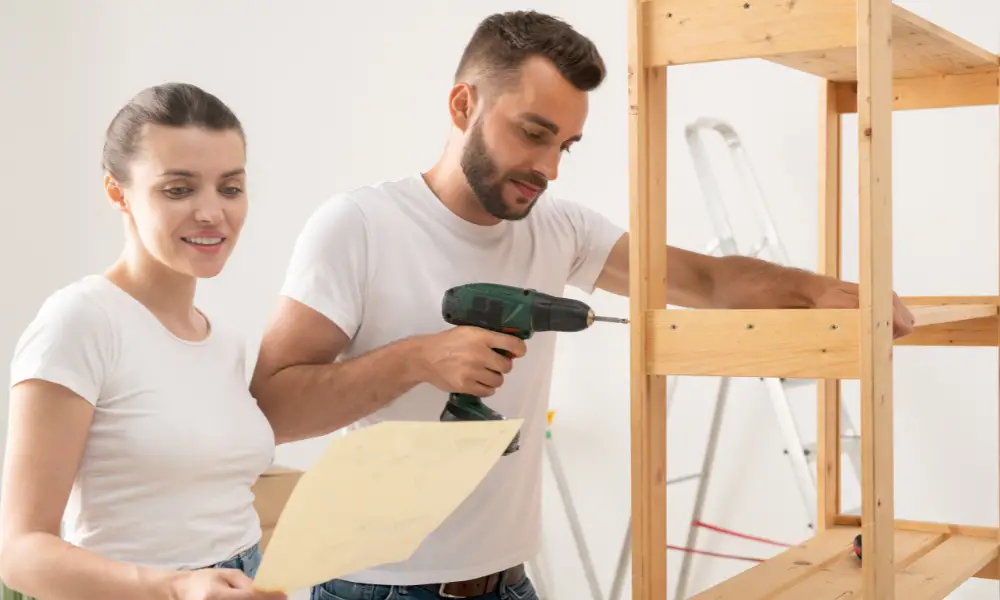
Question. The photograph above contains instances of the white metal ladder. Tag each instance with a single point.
(799, 455)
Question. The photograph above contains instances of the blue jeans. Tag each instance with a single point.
(338, 589)
(247, 561)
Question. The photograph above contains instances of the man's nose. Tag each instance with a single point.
(549, 165)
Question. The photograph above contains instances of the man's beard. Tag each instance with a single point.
(487, 185)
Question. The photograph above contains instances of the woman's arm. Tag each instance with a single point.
(46, 433)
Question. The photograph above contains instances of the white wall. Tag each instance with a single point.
(327, 109)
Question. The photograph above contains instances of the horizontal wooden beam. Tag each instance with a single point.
(792, 343)
(938, 91)
(696, 31)
(801, 343)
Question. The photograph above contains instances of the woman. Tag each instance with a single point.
(129, 407)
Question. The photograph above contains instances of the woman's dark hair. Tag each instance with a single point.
(170, 104)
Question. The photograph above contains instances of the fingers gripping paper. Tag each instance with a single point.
(339, 518)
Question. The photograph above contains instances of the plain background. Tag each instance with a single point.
(339, 94)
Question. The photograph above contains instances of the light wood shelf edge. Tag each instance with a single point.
(928, 566)
(812, 36)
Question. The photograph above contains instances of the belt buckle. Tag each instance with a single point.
(445, 594)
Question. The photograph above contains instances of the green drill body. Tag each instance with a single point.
(514, 311)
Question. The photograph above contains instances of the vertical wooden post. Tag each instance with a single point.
(828, 448)
(647, 291)
(997, 563)
(874, 27)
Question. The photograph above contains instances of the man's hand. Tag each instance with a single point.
(463, 359)
(842, 294)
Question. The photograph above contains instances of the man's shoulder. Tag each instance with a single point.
(374, 195)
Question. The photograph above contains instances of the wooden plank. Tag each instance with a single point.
(813, 36)
(785, 570)
(919, 49)
(980, 331)
(875, 69)
(941, 571)
(935, 315)
(797, 343)
(828, 446)
(840, 579)
(930, 49)
(993, 569)
(933, 92)
(927, 527)
(647, 290)
(695, 31)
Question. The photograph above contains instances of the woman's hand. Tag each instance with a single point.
(217, 584)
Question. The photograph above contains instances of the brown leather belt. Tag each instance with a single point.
(479, 586)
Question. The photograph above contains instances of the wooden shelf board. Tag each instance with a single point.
(813, 36)
(799, 343)
(950, 313)
(929, 566)
(920, 49)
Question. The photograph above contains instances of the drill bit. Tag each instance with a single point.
(611, 320)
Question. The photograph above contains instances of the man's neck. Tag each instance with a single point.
(448, 183)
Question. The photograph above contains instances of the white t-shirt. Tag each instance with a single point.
(377, 261)
(176, 440)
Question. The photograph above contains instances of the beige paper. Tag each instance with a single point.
(374, 496)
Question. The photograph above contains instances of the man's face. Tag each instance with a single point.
(513, 149)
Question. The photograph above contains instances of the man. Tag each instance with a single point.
(358, 336)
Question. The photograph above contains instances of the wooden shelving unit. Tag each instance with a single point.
(871, 57)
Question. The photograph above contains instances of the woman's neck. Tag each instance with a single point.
(167, 294)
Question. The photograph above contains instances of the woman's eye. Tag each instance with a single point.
(232, 191)
(177, 192)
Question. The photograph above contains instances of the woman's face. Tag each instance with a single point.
(186, 198)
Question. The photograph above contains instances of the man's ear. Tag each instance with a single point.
(115, 192)
(461, 103)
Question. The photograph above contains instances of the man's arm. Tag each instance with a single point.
(304, 393)
(740, 282)
(701, 281)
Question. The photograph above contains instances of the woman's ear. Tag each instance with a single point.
(115, 192)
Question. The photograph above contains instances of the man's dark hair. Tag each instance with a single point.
(502, 42)
(170, 104)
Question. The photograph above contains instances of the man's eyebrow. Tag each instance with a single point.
(542, 121)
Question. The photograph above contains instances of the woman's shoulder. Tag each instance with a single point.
(85, 302)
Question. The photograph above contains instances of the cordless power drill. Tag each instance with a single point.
(514, 311)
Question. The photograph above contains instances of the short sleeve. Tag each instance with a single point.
(329, 264)
(69, 342)
(594, 237)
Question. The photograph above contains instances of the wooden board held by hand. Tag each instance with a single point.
(339, 518)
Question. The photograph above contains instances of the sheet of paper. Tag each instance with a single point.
(340, 518)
